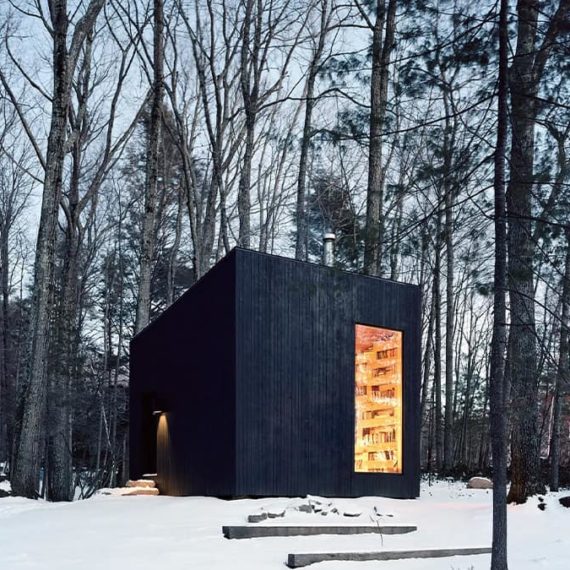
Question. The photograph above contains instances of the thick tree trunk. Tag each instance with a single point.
(60, 446)
(522, 340)
(382, 45)
(499, 338)
(151, 182)
(30, 448)
(31, 441)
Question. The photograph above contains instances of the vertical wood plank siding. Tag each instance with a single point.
(256, 364)
(186, 359)
(295, 377)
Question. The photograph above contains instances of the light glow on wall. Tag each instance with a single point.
(378, 400)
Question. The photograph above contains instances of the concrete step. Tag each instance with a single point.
(257, 531)
(141, 491)
(304, 559)
(147, 483)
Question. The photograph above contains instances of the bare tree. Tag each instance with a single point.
(79, 202)
(30, 442)
(499, 339)
(525, 78)
(383, 32)
(562, 371)
(15, 188)
(149, 219)
(217, 92)
(326, 9)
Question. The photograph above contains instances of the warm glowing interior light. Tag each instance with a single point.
(378, 400)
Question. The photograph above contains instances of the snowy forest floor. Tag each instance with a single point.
(175, 533)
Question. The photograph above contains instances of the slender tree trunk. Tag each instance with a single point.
(314, 67)
(463, 448)
(382, 45)
(427, 360)
(151, 183)
(437, 348)
(449, 318)
(395, 256)
(173, 257)
(425, 381)
(562, 372)
(249, 80)
(499, 338)
(6, 389)
(482, 461)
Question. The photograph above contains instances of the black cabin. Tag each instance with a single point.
(274, 377)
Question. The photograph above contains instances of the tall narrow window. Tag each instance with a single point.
(378, 400)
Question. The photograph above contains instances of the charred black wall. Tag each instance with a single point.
(295, 377)
(255, 369)
(184, 364)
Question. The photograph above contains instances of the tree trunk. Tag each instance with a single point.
(499, 337)
(562, 372)
(301, 237)
(522, 340)
(31, 441)
(381, 52)
(60, 438)
(250, 83)
(173, 257)
(151, 182)
(437, 348)
(427, 360)
(6, 390)
(449, 319)
(30, 448)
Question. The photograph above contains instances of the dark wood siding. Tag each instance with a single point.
(395, 306)
(295, 377)
(185, 360)
(254, 367)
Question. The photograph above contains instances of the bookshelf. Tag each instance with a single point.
(378, 400)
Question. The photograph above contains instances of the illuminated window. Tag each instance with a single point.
(378, 398)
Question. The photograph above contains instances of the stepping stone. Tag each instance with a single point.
(300, 560)
(258, 531)
(258, 517)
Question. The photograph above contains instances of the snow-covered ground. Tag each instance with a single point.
(168, 533)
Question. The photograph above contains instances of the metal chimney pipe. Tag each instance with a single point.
(328, 249)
